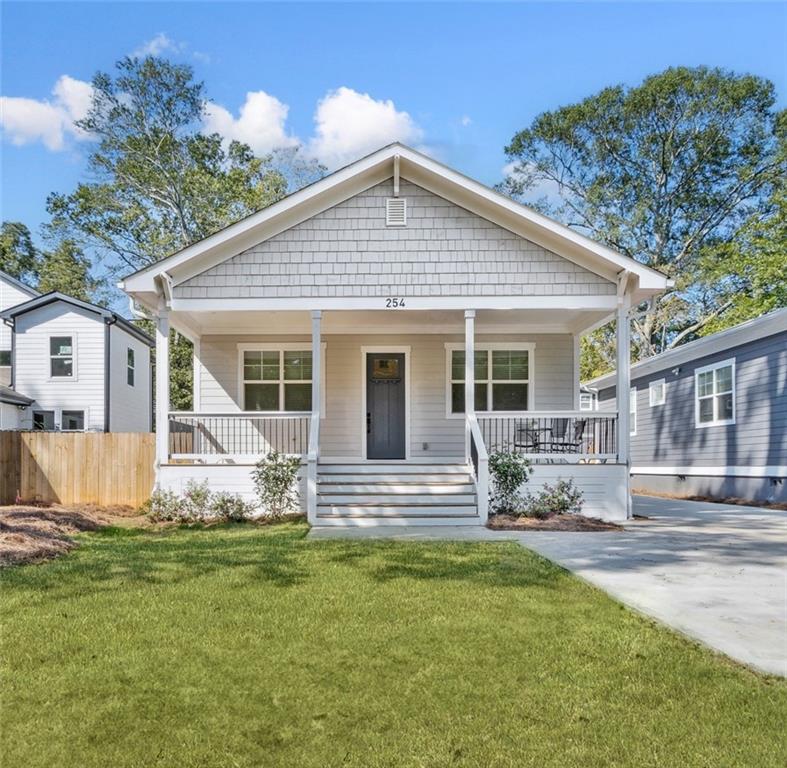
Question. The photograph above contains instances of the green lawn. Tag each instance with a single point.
(246, 646)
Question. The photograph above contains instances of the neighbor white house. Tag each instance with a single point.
(72, 366)
(393, 324)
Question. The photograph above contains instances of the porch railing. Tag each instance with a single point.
(236, 435)
(562, 436)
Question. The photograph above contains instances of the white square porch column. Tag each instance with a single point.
(162, 387)
(623, 387)
(469, 374)
(313, 449)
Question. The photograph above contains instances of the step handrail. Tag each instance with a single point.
(480, 459)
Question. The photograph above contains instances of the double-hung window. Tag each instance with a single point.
(61, 357)
(714, 394)
(277, 379)
(502, 378)
(657, 392)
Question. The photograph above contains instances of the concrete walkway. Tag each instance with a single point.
(715, 572)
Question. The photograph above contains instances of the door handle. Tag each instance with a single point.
(368, 423)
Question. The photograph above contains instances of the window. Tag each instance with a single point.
(633, 411)
(43, 420)
(61, 357)
(657, 392)
(72, 421)
(588, 401)
(277, 380)
(502, 379)
(130, 367)
(5, 358)
(714, 392)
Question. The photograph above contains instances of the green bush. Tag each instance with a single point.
(198, 504)
(510, 471)
(197, 500)
(562, 498)
(275, 478)
(163, 506)
(231, 508)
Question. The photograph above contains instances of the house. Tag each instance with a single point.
(392, 323)
(709, 418)
(12, 292)
(74, 366)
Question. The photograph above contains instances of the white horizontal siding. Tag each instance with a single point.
(341, 429)
(85, 391)
(129, 406)
(10, 296)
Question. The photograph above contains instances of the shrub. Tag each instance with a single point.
(275, 477)
(510, 471)
(562, 498)
(231, 507)
(197, 501)
(163, 506)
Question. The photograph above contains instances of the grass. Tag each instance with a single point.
(247, 646)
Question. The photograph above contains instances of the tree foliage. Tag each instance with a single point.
(660, 172)
(18, 255)
(66, 269)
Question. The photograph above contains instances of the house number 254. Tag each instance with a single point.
(394, 302)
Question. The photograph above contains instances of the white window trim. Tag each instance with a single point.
(633, 413)
(651, 400)
(74, 348)
(131, 367)
(303, 346)
(593, 402)
(517, 346)
(705, 369)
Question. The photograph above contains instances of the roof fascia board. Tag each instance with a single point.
(753, 330)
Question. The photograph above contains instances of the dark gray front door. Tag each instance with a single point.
(385, 425)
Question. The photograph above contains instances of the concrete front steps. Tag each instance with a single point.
(373, 493)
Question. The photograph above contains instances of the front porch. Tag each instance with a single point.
(398, 425)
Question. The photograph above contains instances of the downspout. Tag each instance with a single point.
(108, 323)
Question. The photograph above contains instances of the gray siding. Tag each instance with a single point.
(341, 430)
(666, 434)
(348, 251)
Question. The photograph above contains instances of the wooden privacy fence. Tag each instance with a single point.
(77, 467)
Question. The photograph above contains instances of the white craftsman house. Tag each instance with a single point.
(74, 366)
(392, 324)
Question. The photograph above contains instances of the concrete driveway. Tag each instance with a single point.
(715, 572)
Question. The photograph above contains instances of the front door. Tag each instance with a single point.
(385, 406)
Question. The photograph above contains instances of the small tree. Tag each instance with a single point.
(275, 478)
(510, 472)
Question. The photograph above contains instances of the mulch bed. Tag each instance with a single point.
(32, 534)
(553, 523)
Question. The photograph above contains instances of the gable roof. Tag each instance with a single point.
(371, 170)
(55, 296)
(752, 330)
(32, 292)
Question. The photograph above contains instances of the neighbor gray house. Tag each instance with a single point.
(709, 418)
(392, 324)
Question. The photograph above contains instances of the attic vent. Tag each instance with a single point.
(396, 212)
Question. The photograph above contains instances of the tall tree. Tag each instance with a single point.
(18, 255)
(66, 269)
(658, 172)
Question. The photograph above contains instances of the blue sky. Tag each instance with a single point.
(456, 79)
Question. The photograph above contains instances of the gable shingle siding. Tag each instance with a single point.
(348, 251)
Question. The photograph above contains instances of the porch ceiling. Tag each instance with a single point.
(196, 324)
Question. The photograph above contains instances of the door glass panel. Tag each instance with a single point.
(385, 368)
(262, 397)
(297, 397)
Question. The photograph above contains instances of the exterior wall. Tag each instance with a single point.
(85, 391)
(10, 296)
(342, 426)
(349, 251)
(667, 437)
(10, 416)
(129, 407)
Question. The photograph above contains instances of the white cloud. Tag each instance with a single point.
(25, 121)
(466, 120)
(157, 45)
(261, 122)
(349, 125)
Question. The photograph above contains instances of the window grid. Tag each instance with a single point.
(492, 368)
(280, 376)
